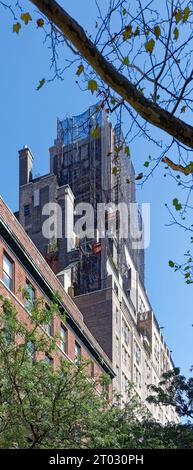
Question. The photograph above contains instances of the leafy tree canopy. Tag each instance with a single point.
(44, 407)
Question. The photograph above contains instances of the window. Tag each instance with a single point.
(106, 389)
(7, 336)
(92, 369)
(125, 356)
(137, 353)
(55, 164)
(125, 332)
(30, 295)
(48, 360)
(117, 345)
(117, 374)
(141, 307)
(49, 325)
(125, 382)
(137, 377)
(143, 316)
(117, 316)
(116, 290)
(8, 269)
(48, 328)
(156, 351)
(36, 197)
(31, 350)
(77, 353)
(26, 210)
(148, 371)
(63, 336)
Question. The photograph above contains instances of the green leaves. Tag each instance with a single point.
(186, 14)
(182, 15)
(80, 69)
(16, 27)
(95, 132)
(136, 32)
(157, 31)
(187, 275)
(146, 164)
(176, 33)
(127, 151)
(92, 86)
(171, 264)
(41, 84)
(26, 17)
(183, 109)
(149, 46)
(118, 149)
(190, 167)
(114, 170)
(40, 23)
(178, 16)
(177, 204)
(126, 61)
(127, 33)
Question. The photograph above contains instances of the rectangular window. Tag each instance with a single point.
(48, 328)
(31, 350)
(116, 290)
(63, 336)
(30, 295)
(117, 374)
(8, 271)
(77, 353)
(92, 370)
(48, 360)
(124, 356)
(7, 336)
(36, 197)
(26, 210)
(126, 332)
(117, 345)
(49, 324)
(137, 353)
(117, 316)
(124, 382)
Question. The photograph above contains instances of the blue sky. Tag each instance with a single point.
(28, 117)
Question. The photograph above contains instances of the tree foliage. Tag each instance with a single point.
(46, 407)
(175, 390)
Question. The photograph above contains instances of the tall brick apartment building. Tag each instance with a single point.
(22, 265)
(104, 276)
(86, 165)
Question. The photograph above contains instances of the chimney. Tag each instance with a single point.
(25, 165)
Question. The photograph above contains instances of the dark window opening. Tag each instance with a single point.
(26, 210)
(92, 370)
(48, 360)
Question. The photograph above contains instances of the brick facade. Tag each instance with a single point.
(30, 265)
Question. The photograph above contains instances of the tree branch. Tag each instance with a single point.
(186, 170)
(148, 110)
